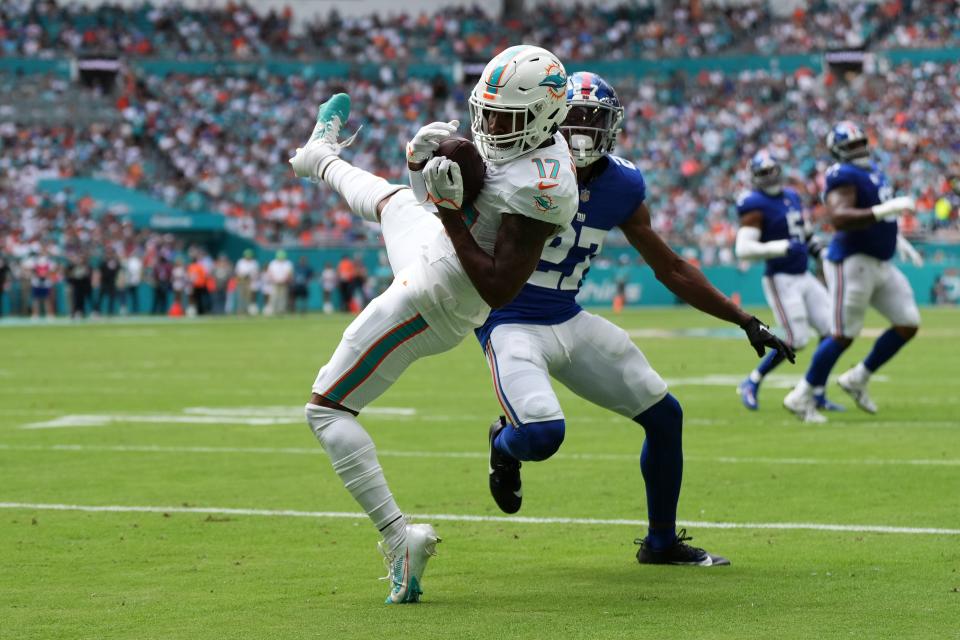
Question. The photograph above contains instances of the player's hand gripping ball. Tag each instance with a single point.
(454, 176)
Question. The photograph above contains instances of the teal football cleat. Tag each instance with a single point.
(405, 565)
(331, 116)
(324, 145)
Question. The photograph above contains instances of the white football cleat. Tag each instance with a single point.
(857, 389)
(803, 406)
(406, 565)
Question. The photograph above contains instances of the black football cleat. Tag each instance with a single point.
(504, 474)
(680, 553)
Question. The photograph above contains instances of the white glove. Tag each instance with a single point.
(444, 183)
(908, 252)
(894, 207)
(428, 139)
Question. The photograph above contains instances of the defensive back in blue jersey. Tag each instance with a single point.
(879, 239)
(782, 220)
(549, 296)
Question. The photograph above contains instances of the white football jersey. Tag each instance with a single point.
(541, 184)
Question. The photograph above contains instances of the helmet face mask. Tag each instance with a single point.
(766, 174)
(847, 143)
(518, 103)
(594, 119)
(591, 131)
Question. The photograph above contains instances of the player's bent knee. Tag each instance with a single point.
(337, 431)
(906, 332)
(844, 341)
(665, 415)
(537, 441)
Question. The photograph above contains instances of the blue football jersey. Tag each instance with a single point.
(549, 296)
(782, 220)
(879, 239)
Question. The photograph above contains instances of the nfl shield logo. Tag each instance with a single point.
(584, 195)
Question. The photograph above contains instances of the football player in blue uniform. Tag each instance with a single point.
(859, 272)
(773, 229)
(545, 333)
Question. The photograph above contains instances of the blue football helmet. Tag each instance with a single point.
(848, 143)
(765, 173)
(594, 119)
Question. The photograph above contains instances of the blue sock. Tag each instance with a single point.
(531, 441)
(824, 358)
(661, 464)
(770, 362)
(884, 348)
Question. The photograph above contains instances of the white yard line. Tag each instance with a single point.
(451, 517)
(389, 453)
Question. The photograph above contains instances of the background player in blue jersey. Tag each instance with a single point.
(773, 229)
(545, 333)
(859, 272)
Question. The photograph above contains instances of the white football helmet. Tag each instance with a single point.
(519, 101)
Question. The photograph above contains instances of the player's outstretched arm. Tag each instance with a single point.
(845, 216)
(749, 247)
(689, 283)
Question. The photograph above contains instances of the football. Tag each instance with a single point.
(472, 166)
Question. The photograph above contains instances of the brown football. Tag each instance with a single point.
(472, 167)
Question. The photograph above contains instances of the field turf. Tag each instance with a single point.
(174, 424)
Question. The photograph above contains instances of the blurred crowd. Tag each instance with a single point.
(220, 143)
(630, 29)
(224, 144)
(156, 274)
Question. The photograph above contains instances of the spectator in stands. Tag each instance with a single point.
(109, 272)
(43, 272)
(328, 282)
(133, 276)
(180, 285)
(197, 277)
(4, 274)
(162, 277)
(247, 274)
(222, 273)
(79, 277)
(346, 277)
(302, 276)
(280, 277)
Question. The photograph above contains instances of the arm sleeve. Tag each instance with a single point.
(749, 247)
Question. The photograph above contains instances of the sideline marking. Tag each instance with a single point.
(248, 416)
(389, 453)
(450, 517)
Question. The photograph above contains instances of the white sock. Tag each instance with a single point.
(804, 387)
(756, 377)
(362, 190)
(819, 391)
(861, 373)
(354, 459)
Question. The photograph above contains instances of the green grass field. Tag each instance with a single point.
(173, 424)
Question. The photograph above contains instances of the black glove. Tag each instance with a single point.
(815, 246)
(760, 336)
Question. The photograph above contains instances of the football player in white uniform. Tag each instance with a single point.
(437, 298)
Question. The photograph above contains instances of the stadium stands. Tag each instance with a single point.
(219, 143)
